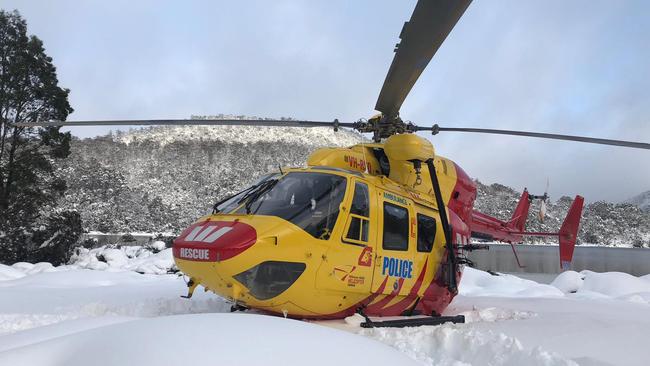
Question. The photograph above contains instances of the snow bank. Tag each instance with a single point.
(450, 344)
(479, 283)
(45, 332)
(585, 284)
(568, 281)
(608, 285)
(207, 339)
(614, 284)
(48, 298)
(9, 273)
(21, 269)
(152, 259)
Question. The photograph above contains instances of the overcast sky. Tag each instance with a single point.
(572, 67)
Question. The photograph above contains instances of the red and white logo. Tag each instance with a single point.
(207, 233)
(214, 241)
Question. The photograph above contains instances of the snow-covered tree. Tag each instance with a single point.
(29, 92)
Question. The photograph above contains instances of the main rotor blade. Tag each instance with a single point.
(552, 136)
(193, 122)
(430, 23)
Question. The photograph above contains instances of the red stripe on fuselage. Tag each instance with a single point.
(401, 306)
(375, 309)
(352, 309)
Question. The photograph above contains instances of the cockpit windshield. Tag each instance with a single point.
(308, 200)
(229, 204)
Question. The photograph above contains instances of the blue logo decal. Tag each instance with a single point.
(397, 267)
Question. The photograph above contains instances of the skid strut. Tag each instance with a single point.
(191, 286)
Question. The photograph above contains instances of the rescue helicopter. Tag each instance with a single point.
(380, 228)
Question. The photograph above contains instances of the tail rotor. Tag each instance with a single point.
(542, 207)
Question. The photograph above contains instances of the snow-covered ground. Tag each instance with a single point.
(113, 315)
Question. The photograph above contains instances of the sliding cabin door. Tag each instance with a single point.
(395, 268)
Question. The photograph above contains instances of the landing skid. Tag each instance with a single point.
(411, 321)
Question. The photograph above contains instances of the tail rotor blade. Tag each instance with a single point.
(542, 206)
(542, 211)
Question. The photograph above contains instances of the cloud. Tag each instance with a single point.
(576, 67)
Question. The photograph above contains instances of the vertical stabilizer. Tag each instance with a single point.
(519, 217)
(569, 232)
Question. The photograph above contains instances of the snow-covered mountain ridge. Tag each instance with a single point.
(642, 201)
(603, 223)
(160, 179)
(163, 178)
(164, 135)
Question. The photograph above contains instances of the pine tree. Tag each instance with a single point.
(29, 92)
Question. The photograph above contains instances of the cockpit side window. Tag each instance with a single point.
(360, 200)
(359, 214)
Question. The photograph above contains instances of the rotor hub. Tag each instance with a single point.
(383, 127)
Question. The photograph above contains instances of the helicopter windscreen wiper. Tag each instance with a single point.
(233, 201)
(223, 204)
(256, 193)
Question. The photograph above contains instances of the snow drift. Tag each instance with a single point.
(208, 339)
(70, 315)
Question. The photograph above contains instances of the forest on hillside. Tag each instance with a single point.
(160, 180)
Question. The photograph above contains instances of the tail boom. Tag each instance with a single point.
(513, 231)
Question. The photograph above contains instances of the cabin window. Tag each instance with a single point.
(359, 213)
(308, 200)
(426, 233)
(396, 227)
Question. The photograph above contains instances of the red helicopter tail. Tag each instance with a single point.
(487, 227)
(518, 220)
(569, 232)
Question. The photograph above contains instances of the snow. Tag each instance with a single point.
(226, 339)
(614, 284)
(642, 201)
(480, 283)
(161, 179)
(568, 281)
(604, 322)
(463, 347)
(609, 285)
(512, 321)
(9, 273)
(151, 259)
(70, 315)
(165, 135)
(53, 297)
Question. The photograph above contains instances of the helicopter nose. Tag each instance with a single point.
(213, 241)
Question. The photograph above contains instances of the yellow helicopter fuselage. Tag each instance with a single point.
(342, 234)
